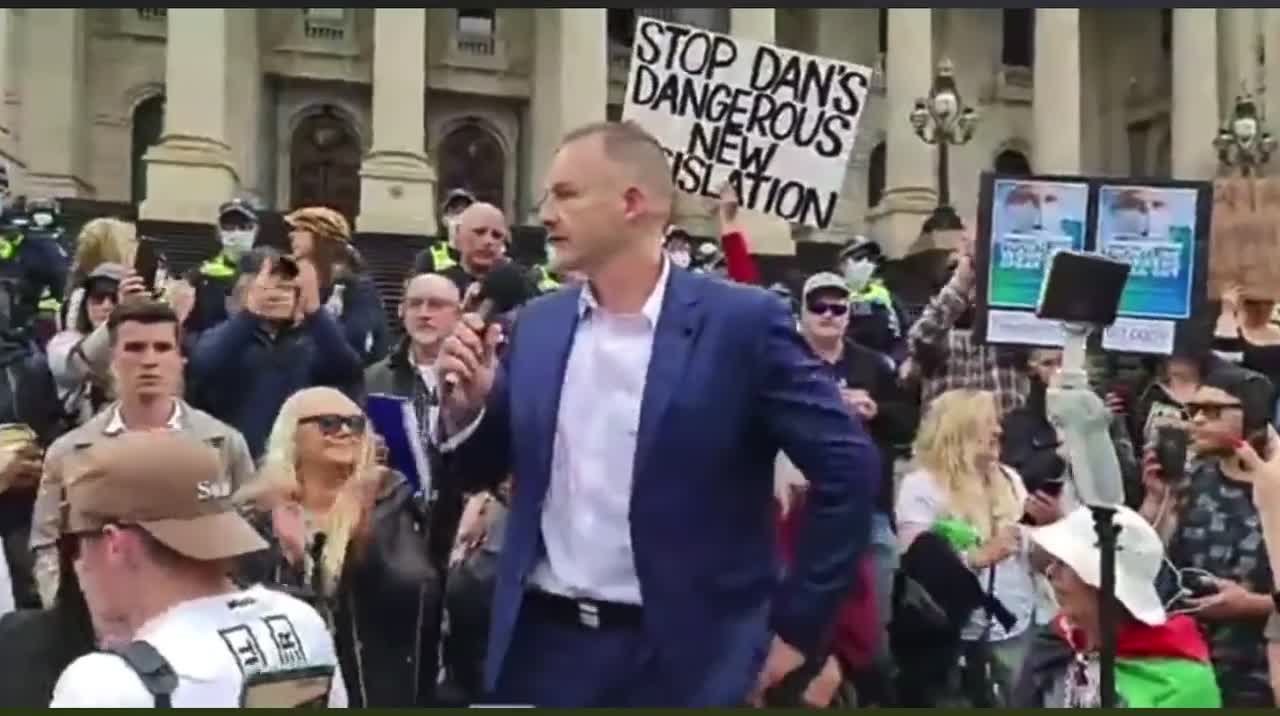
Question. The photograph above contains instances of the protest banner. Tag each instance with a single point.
(1158, 227)
(777, 124)
(1024, 222)
(1245, 237)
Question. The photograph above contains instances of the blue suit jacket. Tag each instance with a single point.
(730, 382)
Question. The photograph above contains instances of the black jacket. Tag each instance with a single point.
(395, 375)
(897, 415)
(27, 396)
(383, 612)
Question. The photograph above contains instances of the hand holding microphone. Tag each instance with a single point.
(467, 362)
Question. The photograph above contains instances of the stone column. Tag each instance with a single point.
(190, 172)
(54, 127)
(1195, 113)
(1240, 33)
(8, 148)
(766, 234)
(1271, 74)
(910, 166)
(397, 184)
(570, 86)
(1056, 91)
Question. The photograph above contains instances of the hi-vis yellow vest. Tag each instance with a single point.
(546, 282)
(218, 268)
(440, 258)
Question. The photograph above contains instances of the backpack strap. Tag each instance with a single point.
(152, 668)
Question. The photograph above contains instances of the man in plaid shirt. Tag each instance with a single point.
(947, 357)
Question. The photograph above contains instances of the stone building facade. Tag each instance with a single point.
(379, 111)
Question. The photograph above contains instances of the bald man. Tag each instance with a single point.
(428, 312)
(639, 415)
(481, 240)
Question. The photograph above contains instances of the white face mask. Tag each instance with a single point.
(42, 219)
(451, 229)
(1023, 217)
(679, 258)
(237, 242)
(857, 274)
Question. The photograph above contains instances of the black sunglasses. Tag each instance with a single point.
(330, 424)
(1212, 411)
(822, 307)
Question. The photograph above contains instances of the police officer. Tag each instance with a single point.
(153, 544)
(876, 319)
(215, 278)
(442, 254)
(32, 260)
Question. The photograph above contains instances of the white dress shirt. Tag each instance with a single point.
(586, 524)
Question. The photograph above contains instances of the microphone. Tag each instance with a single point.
(504, 288)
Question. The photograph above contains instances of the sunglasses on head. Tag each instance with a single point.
(1211, 411)
(835, 308)
(332, 423)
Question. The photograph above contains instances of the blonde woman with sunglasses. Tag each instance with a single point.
(349, 535)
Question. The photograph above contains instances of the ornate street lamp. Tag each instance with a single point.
(943, 119)
(1243, 142)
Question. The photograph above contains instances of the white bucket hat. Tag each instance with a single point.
(1139, 554)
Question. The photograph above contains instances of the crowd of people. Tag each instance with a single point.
(872, 509)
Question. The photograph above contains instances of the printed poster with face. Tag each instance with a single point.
(1159, 228)
(1030, 220)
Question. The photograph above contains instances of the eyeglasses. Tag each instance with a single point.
(819, 308)
(1211, 411)
(331, 424)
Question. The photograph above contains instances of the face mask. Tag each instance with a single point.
(1129, 221)
(42, 219)
(237, 242)
(1023, 217)
(679, 258)
(1158, 223)
(857, 274)
(451, 229)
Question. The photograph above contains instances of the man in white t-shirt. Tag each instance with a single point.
(154, 536)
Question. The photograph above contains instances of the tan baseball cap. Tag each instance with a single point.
(167, 483)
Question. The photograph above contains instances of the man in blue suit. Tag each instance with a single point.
(640, 416)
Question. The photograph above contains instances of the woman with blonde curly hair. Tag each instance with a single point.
(348, 535)
(962, 493)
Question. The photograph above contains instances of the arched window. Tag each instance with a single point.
(1019, 37)
(882, 30)
(472, 158)
(621, 24)
(148, 123)
(875, 176)
(324, 164)
(1012, 161)
(476, 21)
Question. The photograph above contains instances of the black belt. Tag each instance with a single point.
(588, 613)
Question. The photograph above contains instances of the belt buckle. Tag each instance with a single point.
(588, 614)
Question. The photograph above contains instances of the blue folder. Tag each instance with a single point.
(397, 423)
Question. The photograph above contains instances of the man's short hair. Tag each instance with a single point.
(146, 312)
(629, 143)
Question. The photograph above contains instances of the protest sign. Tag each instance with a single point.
(1158, 227)
(1029, 220)
(1245, 237)
(778, 125)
